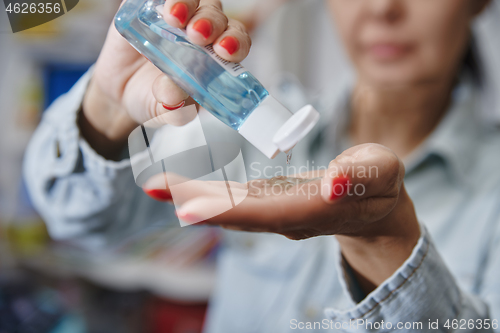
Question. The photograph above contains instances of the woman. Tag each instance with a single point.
(413, 97)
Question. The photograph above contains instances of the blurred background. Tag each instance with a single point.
(139, 285)
(152, 282)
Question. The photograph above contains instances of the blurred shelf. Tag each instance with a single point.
(193, 283)
(174, 263)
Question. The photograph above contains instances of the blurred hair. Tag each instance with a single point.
(471, 62)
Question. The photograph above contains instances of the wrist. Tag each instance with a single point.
(103, 125)
(105, 116)
(378, 250)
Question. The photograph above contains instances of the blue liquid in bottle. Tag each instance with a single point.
(225, 89)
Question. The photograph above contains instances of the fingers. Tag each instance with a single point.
(251, 213)
(177, 13)
(367, 177)
(203, 20)
(203, 208)
(304, 210)
(183, 189)
(206, 23)
(247, 216)
(234, 44)
(263, 210)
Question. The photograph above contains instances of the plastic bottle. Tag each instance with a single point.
(225, 89)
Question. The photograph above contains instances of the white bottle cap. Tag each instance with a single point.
(272, 128)
(296, 128)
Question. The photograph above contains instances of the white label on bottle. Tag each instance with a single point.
(232, 67)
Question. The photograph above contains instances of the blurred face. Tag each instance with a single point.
(401, 42)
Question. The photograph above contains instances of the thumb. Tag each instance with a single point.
(167, 93)
(174, 106)
(364, 171)
(153, 99)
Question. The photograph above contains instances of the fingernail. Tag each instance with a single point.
(180, 11)
(231, 44)
(160, 195)
(187, 217)
(340, 187)
(204, 27)
(175, 107)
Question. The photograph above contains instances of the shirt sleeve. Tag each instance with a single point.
(421, 296)
(82, 196)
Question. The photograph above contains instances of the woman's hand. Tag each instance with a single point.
(360, 198)
(126, 89)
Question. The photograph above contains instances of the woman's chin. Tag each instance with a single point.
(391, 78)
(400, 71)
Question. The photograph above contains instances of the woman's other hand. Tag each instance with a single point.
(360, 198)
(127, 90)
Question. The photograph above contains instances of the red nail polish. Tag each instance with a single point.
(231, 44)
(204, 27)
(172, 108)
(186, 217)
(180, 11)
(340, 187)
(160, 195)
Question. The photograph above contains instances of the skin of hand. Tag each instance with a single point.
(368, 210)
(127, 90)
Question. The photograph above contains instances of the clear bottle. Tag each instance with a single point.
(225, 89)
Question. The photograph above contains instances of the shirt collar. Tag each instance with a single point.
(456, 138)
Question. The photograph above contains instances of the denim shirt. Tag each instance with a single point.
(267, 283)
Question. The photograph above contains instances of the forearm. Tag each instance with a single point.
(383, 246)
(70, 201)
(103, 125)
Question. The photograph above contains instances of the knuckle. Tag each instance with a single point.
(394, 176)
(301, 234)
(245, 41)
(332, 167)
(394, 167)
(237, 25)
(153, 110)
(363, 209)
(215, 14)
(294, 237)
(393, 164)
(217, 3)
(210, 8)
